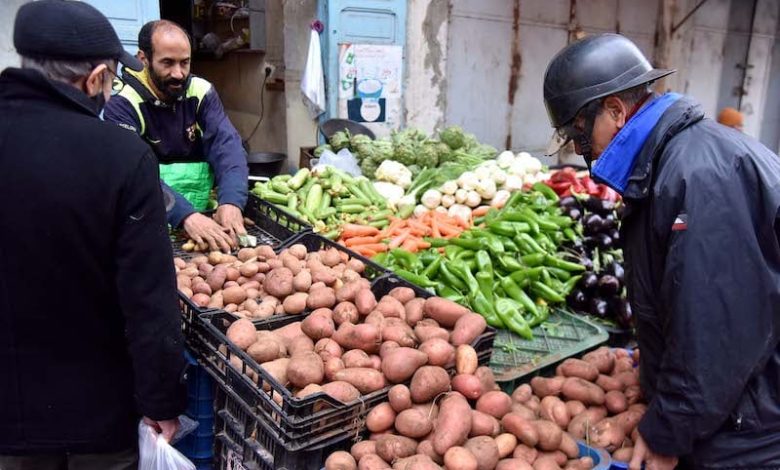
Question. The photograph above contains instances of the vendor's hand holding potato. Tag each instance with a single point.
(203, 229)
(231, 219)
(652, 461)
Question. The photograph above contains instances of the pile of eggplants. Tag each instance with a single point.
(600, 291)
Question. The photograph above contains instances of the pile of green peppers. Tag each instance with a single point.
(509, 270)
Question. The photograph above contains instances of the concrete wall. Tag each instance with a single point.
(8, 55)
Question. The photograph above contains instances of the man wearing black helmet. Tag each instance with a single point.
(702, 255)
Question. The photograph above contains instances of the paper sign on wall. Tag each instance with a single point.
(370, 78)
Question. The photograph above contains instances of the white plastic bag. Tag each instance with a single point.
(313, 80)
(156, 454)
(344, 160)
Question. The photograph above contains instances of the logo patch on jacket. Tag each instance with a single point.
(680, 222)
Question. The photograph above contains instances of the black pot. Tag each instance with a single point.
(331, 126)
(265, 163)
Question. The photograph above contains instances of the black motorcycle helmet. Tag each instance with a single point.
(592, 68)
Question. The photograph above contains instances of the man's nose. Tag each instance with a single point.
(177, 73)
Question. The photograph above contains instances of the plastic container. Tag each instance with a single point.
(297, 423)
(244, 443)
(601, 458)
(198, 446)
(515, 359)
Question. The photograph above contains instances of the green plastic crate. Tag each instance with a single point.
(515, 360)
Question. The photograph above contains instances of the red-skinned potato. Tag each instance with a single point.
(340, 460)
(466, 361)
(364, 379)
(486, 451)
(578, 368)
(487, 378)
(400, 398)
(513, 464)
(426, 448)
(482, 424)
(495, 403)
(414, 311)
(444, 311)
(468, 385)
(242, 333)
(440, 352)
(453, 423)
(391, 447)
(380, 418)
(523, 429)
(460, 458)
(522, 393)
(506, 443)
(428, 382)
(413, 423)
(467, 328)
(401, 363)
(341, 390)
(362, 448)
(373, 462)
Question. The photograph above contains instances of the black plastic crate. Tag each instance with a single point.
(298, 422)
(244, 442)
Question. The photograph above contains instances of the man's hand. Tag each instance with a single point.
(167, 428)
(203, 229)
(653, 461)
(231, 219)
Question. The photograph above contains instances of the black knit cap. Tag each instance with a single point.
(68, 30)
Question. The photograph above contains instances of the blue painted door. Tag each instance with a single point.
(127, 17)
(357, 22)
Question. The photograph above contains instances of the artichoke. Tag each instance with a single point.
(340, 140)
(368, 167)
(453, 136)
(383, 149)
(360, 140)
(428, 155)
(319, 150)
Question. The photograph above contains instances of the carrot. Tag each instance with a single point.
(480, 211)
(410, 246)
(355, 230)
(435, 228)
(376, 247)
(400, 238)
(419, 226)
(361, 250)
(422, 244)
(354, 241)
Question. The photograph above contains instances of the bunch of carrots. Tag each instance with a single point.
(408, 234)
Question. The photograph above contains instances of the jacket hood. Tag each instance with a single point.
(683, 113)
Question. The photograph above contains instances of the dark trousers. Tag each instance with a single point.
(125, 460)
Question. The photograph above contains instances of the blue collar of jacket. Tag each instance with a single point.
(615, 165)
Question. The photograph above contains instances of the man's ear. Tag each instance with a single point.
(616, 110)
(93, 84)
(142, 57)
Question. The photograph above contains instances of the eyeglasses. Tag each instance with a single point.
(582, 123)
(117, 83)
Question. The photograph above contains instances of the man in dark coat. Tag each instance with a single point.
(702, 255)
(90, 334)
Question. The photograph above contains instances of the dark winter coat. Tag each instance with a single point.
(703, 274)
(90, 335)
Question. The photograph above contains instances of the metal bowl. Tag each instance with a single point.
(265, 163)
(331, 126)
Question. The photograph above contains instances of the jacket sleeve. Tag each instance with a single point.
(715, 287)
(119, 111)
(146, 285)
(224, 152)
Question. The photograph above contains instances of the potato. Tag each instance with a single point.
(615, 402)
(624, 454)
(324, 275)
(609, 384)
(395, 329)
(362, 448)
(402, 294)
(575, 407)
(263, 351)
(201, 288)
(310, 389)
(579, 425)
(390, 447)
(485, 375)
(468, 328)
(242, 333)
(356, 265)
(400, 364)
(526, 413)
(278, 282)
(426, 448)
(364, 379)
(302, 281)
(546, 463)
(365, 301)
(305, 368)
(522, 393)
(466, 361)
(444, 311)
(348, 291)
(356, 358)
(413, 423)
(416, 462)
(607, 434)
(277, 369)
(413, 310)
(623, 364)
(468, 385)
(633, 394)
(460, 458)
(556, 455)
(603, 358)
(380, 418)
(391, 307)
(328, 349)
(295, 303)
(340, 460)
(550, 435)
(428, 332)
(330, 257)
(386, 347)
(524, 452)
(373, 462)
(232, 274)
(513, 464)
(201, 300)
(400, 398)
(323, 297)
(440, 352)
(300, 344)
(629, 379)
(363, 336)
(543, 387)
(553, 409)
(345, 312)
(482, 424)
(569, 446)
(428, 382)
(523, 429)
(333, 365)
(453, 423)
(495, 403)
(341, 390)
(375, 318)
(319, 324)
(506, 444)
(575, 388)
(217, 301)
(485, 450)
(216, 278)
(578, 368)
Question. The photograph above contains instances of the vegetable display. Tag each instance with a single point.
(567, 182)
(508, 269)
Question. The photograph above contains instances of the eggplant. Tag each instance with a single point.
(569, 202)
(590, 242)
(616, 269)
(621, 309)
(593, 224)
(589, 280)
(615, 236)
(609, 223)
(587, 263)
(604, 241)
(598, 307)
(578, 300)
(608, 285)
(574, 213)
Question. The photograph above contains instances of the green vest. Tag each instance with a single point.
(193, 180)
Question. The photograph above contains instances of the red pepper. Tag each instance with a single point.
(609, 194)
(590, 186)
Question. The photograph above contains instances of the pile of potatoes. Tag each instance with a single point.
(596, 398)
(361, 345)
(477, 427)
(257, 283)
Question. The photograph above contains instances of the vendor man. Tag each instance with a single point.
(181, 117)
